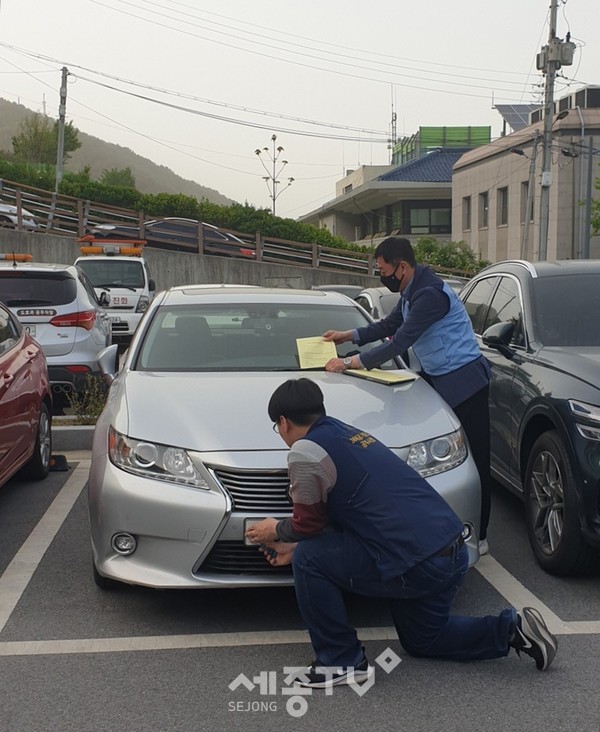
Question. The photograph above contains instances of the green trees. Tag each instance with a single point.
(115, 177)
(450, 255)
(37, 141)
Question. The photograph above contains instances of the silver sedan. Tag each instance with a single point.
(184, 455)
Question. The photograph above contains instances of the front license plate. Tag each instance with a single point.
(247, 524)
(30, 329)
(115, 319)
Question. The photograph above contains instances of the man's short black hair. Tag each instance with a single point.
(395, 249)
(299, 400)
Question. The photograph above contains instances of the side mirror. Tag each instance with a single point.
(104, 299)
(108, 362)
(151, 285)
(498, 336)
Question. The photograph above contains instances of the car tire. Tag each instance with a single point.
(38, 466)
(552, 511)
(104, 583)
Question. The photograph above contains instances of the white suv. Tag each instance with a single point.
(58, 307)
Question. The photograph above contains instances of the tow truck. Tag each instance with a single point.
(118, 268)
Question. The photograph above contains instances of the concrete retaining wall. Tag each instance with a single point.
(180, 268)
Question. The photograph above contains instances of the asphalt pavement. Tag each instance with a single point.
(74, 657)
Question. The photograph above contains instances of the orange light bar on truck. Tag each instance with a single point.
(13, 257)
(126, 249)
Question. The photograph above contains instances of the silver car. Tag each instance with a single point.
(184, 454)
(58, 307)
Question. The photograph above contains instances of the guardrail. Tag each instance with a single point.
(69, 216)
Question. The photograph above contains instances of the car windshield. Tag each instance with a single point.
(113, 272)
(18, 287)
(234, 337)
(566, 310)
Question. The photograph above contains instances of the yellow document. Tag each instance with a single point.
(314, 352)
(381, 376)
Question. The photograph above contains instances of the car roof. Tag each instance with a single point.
(545, 269)
(188, 294)
(38, 267)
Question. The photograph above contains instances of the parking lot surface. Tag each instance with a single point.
(74, 657)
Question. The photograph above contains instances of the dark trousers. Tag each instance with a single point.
(474, 415)
(332, 563)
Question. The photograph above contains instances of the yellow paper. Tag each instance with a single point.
(314, 352)
(381, 376)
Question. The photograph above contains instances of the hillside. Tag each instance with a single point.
(101, 155)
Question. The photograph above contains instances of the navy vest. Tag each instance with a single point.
(388, 506)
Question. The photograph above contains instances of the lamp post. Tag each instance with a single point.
(272, 179)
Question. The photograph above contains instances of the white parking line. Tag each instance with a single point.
(17, 576)
(19, 572)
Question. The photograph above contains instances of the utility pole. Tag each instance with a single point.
(62, 108)
(530, 198)
(549, 60)
(585, 252)
(272, 179)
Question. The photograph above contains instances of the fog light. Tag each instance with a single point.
(467, 532)
(124, 543)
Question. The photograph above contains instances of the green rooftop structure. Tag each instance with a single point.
(432, 138)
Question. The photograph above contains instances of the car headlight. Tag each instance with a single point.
(581, 409)
(143, 303)
(153, 460)
(438, 455)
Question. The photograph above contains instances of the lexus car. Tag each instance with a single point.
(539, 326)
(184, 454)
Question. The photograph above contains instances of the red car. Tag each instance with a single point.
(25, 402)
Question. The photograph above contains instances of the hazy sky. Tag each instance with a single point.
(280, 68)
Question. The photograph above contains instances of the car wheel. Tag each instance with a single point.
(38, 466)
(551, 509)
(6, 222)
(104, 583)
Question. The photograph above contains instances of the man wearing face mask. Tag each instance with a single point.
(431, 318)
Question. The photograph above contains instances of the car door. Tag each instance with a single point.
(505, 307)
(16, 394)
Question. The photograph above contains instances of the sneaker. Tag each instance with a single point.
(484, 547)
(533, 638)
(323, 677)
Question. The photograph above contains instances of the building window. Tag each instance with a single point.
(483, 210)
(348, 188)
(502, 211)
(424, 220)
(466, 213)
(524, 195)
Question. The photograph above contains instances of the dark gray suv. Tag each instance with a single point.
(539, 325)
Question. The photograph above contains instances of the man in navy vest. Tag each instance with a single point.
(364, 521)
(432, 319)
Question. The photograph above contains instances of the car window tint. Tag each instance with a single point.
(20, 288)
(247, 337)
(506, 308)
(9, 334)
(566, 310)
(113, 272)
(365, 303)
(477, 302)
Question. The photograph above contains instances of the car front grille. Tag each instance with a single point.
(235, 557)
(120, 327)
(256, 491)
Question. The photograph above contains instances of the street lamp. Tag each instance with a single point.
(272, 179)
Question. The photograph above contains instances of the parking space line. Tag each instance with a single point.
(19, 572)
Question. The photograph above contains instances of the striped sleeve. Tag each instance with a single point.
(312, 475)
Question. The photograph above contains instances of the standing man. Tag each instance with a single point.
(431, 318)
(365, 522)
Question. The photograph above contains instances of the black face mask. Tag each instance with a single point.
(391, 281)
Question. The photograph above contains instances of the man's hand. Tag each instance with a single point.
(278, 553)
(338, 365)
(263, 532)
(338, 336)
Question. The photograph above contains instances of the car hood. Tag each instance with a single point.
(580, 362)
(228, 411)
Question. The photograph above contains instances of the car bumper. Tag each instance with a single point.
(184, 536)
(123, 325)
